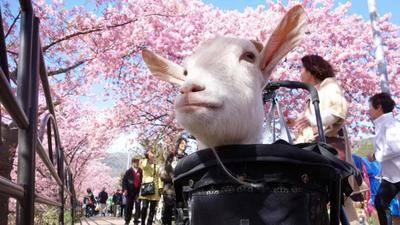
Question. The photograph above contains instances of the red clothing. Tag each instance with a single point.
(132, 181)
(136, 178)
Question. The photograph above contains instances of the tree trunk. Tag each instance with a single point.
(379, 55)
(8, 144)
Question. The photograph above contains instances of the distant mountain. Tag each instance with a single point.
(117, 162)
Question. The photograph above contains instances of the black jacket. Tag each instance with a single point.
(117, 198)
(127, 182)
(103, 196)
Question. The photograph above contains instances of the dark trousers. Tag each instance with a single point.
(387, 191)
(123, 208)
(152, 211)
(130, 202)
(168, 209)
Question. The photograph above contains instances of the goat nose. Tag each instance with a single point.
(191, 88)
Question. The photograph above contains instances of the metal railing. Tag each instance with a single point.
(23, 109)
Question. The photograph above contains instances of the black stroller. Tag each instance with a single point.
(88, 206)
(274, 184)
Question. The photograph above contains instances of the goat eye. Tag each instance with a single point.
(185, 73)
(248, 56)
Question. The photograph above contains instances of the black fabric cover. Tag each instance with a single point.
(296, 184)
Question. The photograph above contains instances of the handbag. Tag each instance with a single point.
(148, 188)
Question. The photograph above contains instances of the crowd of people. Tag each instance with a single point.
(144, 184)
(104, 204)
(148, 181)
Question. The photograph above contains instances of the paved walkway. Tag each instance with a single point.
(99, 220)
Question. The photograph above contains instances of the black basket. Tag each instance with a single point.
(297, 185)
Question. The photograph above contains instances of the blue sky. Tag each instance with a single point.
(358, 6)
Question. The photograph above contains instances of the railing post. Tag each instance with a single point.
(60, 168)
(72, 198)
(25, 207)
(3, 51)
(27, 91)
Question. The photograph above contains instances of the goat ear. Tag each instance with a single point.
(286, 36)
(162, 68)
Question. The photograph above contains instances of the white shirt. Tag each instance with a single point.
(387, 147)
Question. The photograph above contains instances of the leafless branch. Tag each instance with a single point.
(12, 25)
(79, 33)
(97, 29)
(66, 69)
(71, 154)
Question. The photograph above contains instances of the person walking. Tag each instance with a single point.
(117, 201)
(131, 183)
(150, 192)
(110, 206)
(103, 196)
(387, 152)
(167, 176)
(89, 203)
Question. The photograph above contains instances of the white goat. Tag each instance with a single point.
(222, 82)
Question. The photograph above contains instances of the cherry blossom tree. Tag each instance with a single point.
(96, 169)
(345, 40)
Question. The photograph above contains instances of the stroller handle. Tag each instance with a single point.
(272, 86)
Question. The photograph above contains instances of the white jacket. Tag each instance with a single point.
(387, 146)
